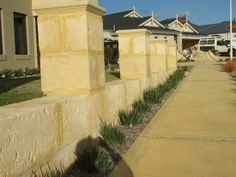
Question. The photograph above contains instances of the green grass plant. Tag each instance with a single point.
(93, 160)
(141, 106)
(113, 135)
(130, 118)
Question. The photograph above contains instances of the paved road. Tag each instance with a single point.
(193, 135)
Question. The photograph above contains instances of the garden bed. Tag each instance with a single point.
(102, 154)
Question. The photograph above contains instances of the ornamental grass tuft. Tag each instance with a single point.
(141, 106)
(130, 118)
(113, 135)
(93, 160)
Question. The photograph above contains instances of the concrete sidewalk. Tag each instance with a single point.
(194, 133)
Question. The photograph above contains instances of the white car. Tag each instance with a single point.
(214, 44)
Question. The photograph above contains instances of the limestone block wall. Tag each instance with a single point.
(48, 129)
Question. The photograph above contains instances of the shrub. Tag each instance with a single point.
(130, 118)
(141, 106)
(18, 73)
(113, 135)
(94, 160)
(230, 66)
(7, 73)
(31, 71)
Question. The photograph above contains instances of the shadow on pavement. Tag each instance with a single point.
(121, 170)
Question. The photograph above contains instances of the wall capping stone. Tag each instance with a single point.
(71, 9)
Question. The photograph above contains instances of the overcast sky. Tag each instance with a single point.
(199, 11)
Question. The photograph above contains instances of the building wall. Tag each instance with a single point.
(9, 60)
(169, 38)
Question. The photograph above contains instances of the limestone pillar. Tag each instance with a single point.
(71, 45)
(172, 58)
(180, 42)
(158, 57)
(134, 49)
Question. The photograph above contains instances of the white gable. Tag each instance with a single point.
(176, 25)
(152, 22)
(189, 28)
(133, 14)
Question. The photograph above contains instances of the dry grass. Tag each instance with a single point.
(230, 66)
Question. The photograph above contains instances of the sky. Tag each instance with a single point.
(199, 11)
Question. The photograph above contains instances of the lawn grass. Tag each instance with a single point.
(18, 90)
(112, 76)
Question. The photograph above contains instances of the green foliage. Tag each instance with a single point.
(18, 73)
(94, 160)
(174, 79)
(103, 161)
(152, 96)
(130, 118)
(113, 135)
(141, 106)
(31, 71)
(108, 52)
(7, 73)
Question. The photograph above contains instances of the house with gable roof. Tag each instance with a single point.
(221, 29)
(132, 19)
(189, 34)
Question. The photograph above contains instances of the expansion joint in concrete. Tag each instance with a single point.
(189, 138)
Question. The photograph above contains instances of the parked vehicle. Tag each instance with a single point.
(215, 44)
(234, 46)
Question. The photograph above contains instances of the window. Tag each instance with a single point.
(211, 42)
(220, 43)
(203, 42)
(1, 41)
(20, 34)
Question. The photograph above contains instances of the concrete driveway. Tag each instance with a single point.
(194, 133)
